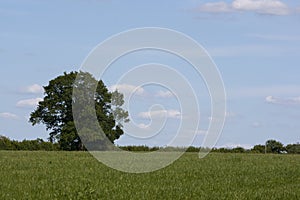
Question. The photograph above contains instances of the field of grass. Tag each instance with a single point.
(77, 175)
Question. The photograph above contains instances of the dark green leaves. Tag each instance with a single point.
(55, 111)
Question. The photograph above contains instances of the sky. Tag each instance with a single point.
(255, 45)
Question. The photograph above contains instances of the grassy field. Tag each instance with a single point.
(77, 175)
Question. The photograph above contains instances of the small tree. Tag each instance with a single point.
(238, 150)
(274, 146)
(293, 148)
(258, 149)
(5, 143)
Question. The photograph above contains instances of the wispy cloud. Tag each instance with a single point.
(257, 50)
(143, 126)
(28, 102)
(160, 114)
(127, 89)
(256, 124)
(228, 115)
(33, 89)
(263, 91)
(276, 37)
(164, 94)
(216, 7)
(283, 101)
(8, 115)
(201, 132)
(270, 7)
(234, 145)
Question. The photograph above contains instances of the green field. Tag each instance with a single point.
(77, 175)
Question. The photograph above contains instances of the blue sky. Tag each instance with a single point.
(254, 43)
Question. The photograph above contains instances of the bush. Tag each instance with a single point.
(293, 148)
(27, 145)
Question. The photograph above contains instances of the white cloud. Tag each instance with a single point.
(160, 114)
(28, 102)
(234, 145)
(270, 7)
(283, 101)
(271, 99)
(143, 126)
(215, 7)
(164, 94)
(127, 89)
(8, 115)
(33, 89)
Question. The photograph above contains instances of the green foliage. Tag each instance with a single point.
(139, 148)
(39, 144)
(55, 111)
(293, 148)
(120, 115)
(258, 149)
(6, 144)
(274, 146)
(28, 145)
(239, 150)
(221, 150)
(77, 175)
(193, 149)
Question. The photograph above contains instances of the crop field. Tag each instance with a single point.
(77, 175)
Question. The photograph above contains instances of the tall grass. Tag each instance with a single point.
(77, 175)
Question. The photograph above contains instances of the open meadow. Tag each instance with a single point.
(77, 175)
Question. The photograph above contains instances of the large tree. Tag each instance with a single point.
(55, 111)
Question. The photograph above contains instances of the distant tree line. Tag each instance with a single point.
(27, 145)
(271, 146)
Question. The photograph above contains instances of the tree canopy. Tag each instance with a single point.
(55, 110)
(274, 146)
